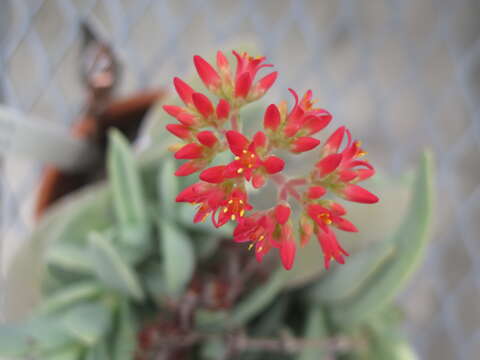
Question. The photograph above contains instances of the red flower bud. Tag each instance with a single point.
(282, 213)
(223, 109)
(213, 175)
(271, 119)
(189, 151)
(265, 83)
(356, 193)
(184, 90)
(203, 104)
(207, 73)
(187, 169)
(287, 253)
(334, 141)
(328, 164)
(273, 164)
(316, 192)
(172, 110)
(207, 138)
(243, 85)
(178, 130)
(304, 143)
(237, 142)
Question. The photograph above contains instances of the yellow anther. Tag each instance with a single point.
(239, 171)
(225, 209)
(250, 246)
(250, 166)
(237, 157)
(325, 217)
(230, 201)
(362, 153)
(240, 201)
(244, 151)
(242, 212)
(252, 156)
(233, 217)
(260, 249)
(261, 238)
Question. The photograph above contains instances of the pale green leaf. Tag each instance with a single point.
(125, 341)
(410, 241)
(70, 257)
(178, 258)
(14, 341)
(315, 330)
(112, 269)
(69, 295)
(167, 188)
(99, 352)
(128, 198)
(70, 352)
(88, 322)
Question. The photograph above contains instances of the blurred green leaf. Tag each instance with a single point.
(258, 299)
(410, 241)
(69, 295)
(128, 198)
(68, 256)
(167, 188)
(272, 319)
(98, 352)
(205, 245)
(112, 269)
(154, 282)
(177, 257)
(125, 340)
(315, 330)
(88, 322)
(70, 352)
(344, 281)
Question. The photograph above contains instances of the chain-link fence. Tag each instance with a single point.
(403, 74)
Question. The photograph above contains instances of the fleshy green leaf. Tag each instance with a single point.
(128, 198)
(70, 295)
(125, 342)
(88, 322)
(409, 240)
(315, 330)
(154, 282)
(98, 352)
(112, 269)
(70, 257)
(167, 188)
(14, 341)
(178, 257)
(344, 281)
(70, 352)
(258, 299)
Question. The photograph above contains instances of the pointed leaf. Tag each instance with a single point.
(112, 269)
(98, 352)
(70, 257)
(410, 241)
(88, 322)
(167, 187)
(125, 341)
(315, 330)
(178, 257)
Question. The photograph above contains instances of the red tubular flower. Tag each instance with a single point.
(189, 168)
(189, 151)
(209, 198)
(213, 175)
(271, 118)
(223, 110)
(203, 104)
(181, 131)
(287, 252)
(304, 143)
(358, 194)
(207, 73)
(184, 91)
(207, 138)
(234, 207)
(257, 229)
(316, 192)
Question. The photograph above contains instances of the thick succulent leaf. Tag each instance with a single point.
(128, 198)
(125, 341)
(69, 295)
(70, 352)
(98, 352)
(167, 185)
(315, 330)
(410, 241)
(205, 245)
(154, 280)
(258, 299)
(178, 259)
(272, 319)
(110, 267)
(88, 322)
(70, 257)
(344, 281)
(47, 333)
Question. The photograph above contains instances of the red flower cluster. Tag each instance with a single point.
(209, 130)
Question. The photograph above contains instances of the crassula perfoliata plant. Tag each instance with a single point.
(126, 274)
(222, 192)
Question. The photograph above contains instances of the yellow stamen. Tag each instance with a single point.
(239, 171)
(230, 201)
(237, 157)
(233, 217)
(260, 249)
(250, 166)
(252, 156)
(225, 209)
(362, 153)
(242, 212)
(250, 246)
(261, 238)
(244, 151)
(240, 201)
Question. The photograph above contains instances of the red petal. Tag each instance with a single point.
(265, 83)
(356, 193)
(287, 254)
(282, 213)
(334, 141)
(186, 119)
(222, 61)
(207, 138)
(273, 164)
(243, 85)
(345, 225)
(203, 104)
(172, 110)
(213, 175)
(223, 109)
(329, 164)
(271, 119)
(184, 90)
(305, 143)
(317, 122)
(237, 142)
(186, 169)
(259, 139)
(206, 72)
(316, 192)
(178, 130)
(189, 151)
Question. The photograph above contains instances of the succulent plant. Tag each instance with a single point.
(127, 275)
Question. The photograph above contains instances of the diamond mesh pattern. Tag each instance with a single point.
(404, 74)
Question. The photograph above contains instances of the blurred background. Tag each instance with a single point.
(404, 75)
